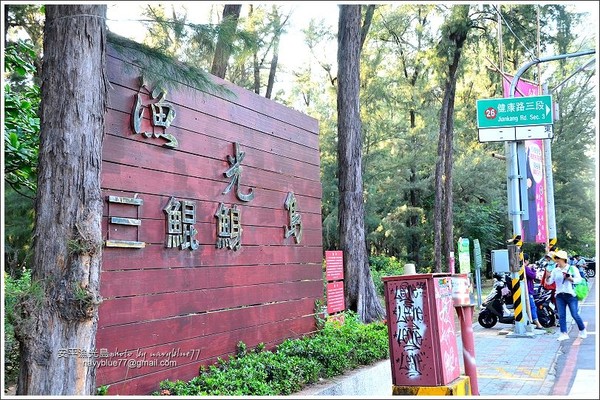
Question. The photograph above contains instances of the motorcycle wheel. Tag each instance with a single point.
(487, 319)
(546, 317)
(590, 272)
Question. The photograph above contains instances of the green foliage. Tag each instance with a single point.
(384, 266)
(21, 121)
(102, 390)
(15, 290)
(295, 363)
(320, 312)
(162, 71)
(18, 231)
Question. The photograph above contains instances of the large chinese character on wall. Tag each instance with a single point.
(181, 217)
(162, 115)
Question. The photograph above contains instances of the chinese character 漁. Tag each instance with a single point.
(181, 217)
(235, 171)
(295, 227)
(163, 113)
(229, 227)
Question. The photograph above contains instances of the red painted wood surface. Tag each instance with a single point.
(163, 305)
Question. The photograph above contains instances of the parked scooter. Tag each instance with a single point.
(494, 307)
(497, 306)
(590, 267)
(545, 308)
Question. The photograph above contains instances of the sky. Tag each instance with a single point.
(293, 52)
(123, 16)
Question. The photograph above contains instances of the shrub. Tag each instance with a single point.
(14, 289)
(384, 266)
(294, 364)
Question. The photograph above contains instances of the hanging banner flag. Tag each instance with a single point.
(534, 228)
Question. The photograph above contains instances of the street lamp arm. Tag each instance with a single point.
(582, 68)
(526, 66)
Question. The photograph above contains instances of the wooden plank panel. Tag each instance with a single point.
(153, 231)
(153, 206)
(132, 179)
(210, 132)
(187, 104)
(126, 381)
(128, 152)
(156, 306)
(139, 282)
(154, 256)
(242, 97)
(179, 329)
(157, 298)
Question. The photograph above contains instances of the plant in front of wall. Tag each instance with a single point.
(294, 364)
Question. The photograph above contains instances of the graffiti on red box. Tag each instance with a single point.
(335, 297)
(334, 265)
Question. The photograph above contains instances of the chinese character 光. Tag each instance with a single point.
(235, 171)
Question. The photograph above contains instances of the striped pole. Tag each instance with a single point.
(517, 305)
(519, 288)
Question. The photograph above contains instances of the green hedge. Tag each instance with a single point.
(294, 364)
(14, 290)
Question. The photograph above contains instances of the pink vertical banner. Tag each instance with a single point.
(534, 229)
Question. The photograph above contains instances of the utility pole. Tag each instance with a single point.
(513, 173)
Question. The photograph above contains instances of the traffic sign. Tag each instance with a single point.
(514, 111)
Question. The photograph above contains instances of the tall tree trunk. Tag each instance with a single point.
(256, 71)
(276, 37)
(231, 15)
(456, 33)
(438, 198)
(361, 295)
(57, 323)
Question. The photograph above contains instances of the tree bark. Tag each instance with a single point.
(231, 15)
(360, 293)
(444, 237)
(61, 315)
(273, 69)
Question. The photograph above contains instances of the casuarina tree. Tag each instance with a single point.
(361, 295)
(57, 318)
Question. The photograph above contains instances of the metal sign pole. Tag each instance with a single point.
(514, 173)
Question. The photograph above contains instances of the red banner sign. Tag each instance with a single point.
(335, 297)
(334, 265)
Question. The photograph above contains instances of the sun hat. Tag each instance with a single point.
(562, 255)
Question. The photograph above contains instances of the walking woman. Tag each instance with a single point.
(565, 295)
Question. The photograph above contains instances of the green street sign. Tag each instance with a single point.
(514, 111)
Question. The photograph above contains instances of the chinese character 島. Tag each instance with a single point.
(295, 228)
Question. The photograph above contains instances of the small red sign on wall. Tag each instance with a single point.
(335, 297)
(334, 265)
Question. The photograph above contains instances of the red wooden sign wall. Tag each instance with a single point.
(167, 310)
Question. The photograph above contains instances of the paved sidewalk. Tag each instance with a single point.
(508, 365)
